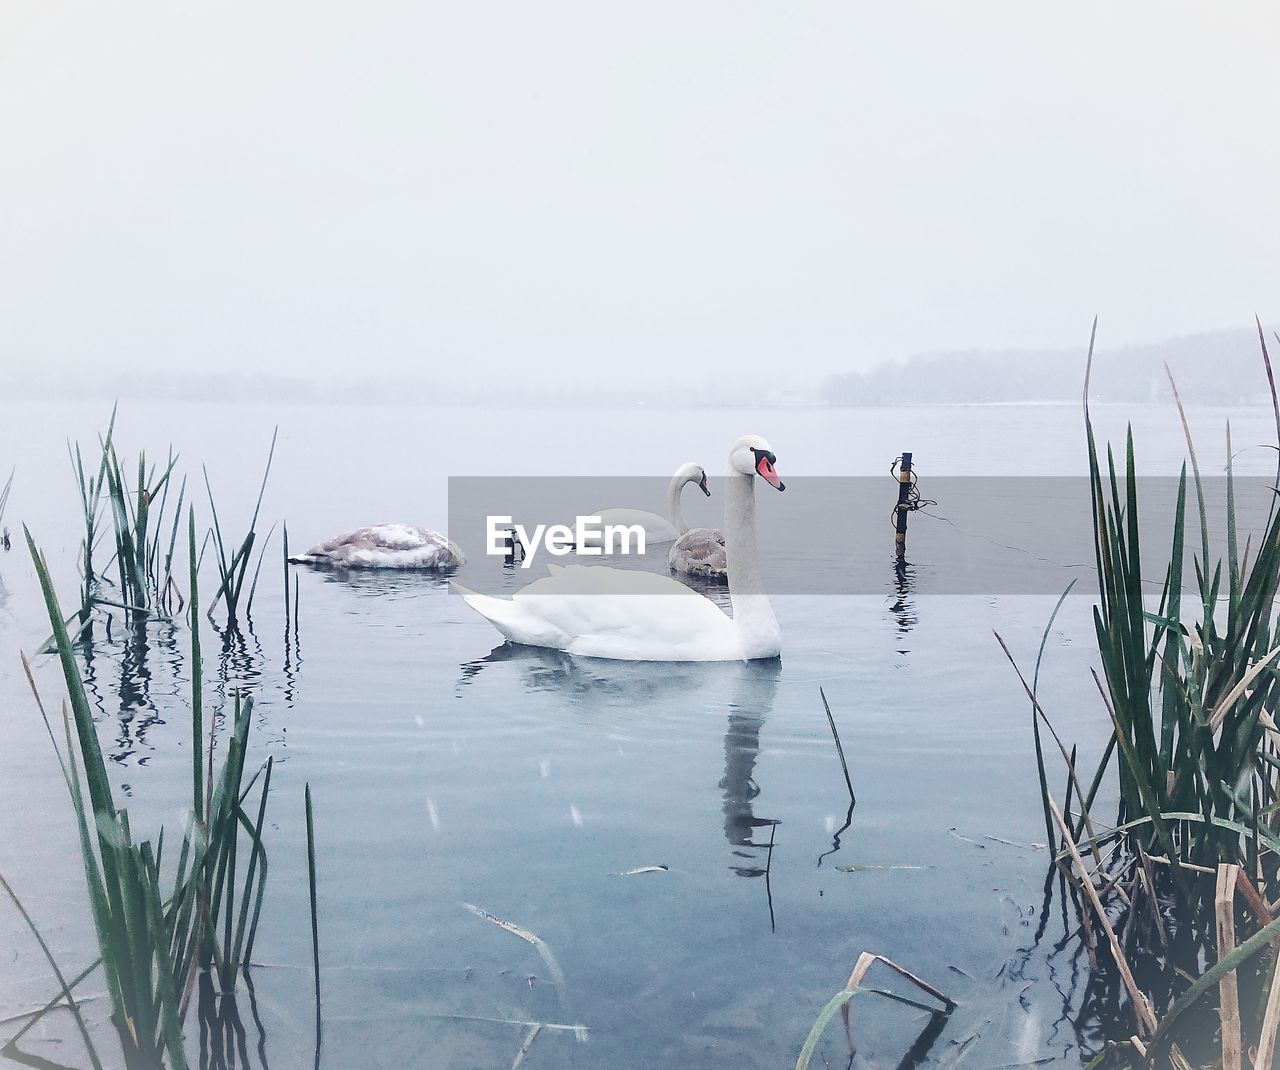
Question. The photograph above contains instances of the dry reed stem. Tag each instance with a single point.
(1256, 903)
(865, 961)
(1141, 1008)
(1191, 867)
(1268, 722)
(529, 1038)
(557, 975)
(1270, 1023)
(1175, 1056)
(1228, 993)
(1111, 882)
(1149, 883)
(1221, 710)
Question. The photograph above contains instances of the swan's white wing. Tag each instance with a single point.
(404, 546)
(595, 611)
(519, 623)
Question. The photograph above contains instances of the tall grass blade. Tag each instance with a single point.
(197, 674)
(315, 925)
(844, 766)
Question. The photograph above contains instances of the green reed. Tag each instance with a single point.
(1189, 688)
(143, 541)
(1190, 684)
(91, 488)
(155, 935)
(137, 532)
(233, 560)
(315, 923)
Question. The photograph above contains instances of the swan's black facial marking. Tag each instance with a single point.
(765, 460)
(702, 485)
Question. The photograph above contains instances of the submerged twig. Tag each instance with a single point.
(529, 1038)
(1141, 1008)
(539, 944)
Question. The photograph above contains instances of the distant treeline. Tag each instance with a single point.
(1219, 367)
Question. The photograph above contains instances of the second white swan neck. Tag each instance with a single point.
(674, 512)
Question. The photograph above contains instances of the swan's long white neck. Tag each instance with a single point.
(752, 614)
(674, 512)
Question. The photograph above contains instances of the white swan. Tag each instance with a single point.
(594, 611)
(402, 546)
(659, 529)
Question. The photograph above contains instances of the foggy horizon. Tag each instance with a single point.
(1212, 367)
(579, 198)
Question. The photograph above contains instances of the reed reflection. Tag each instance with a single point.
(134, 670)
(292, 649)
(224, 1041)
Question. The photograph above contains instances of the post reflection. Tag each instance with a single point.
(903, 604)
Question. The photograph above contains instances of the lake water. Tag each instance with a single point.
(448, 769)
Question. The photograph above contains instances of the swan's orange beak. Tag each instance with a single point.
(770, 474)
(702, 485)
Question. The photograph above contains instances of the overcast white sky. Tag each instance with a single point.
(614, 192)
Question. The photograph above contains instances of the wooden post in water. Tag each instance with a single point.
(904, 506)
(512, 547)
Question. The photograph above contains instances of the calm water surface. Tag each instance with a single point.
(448, 770)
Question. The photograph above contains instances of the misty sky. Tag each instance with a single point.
(653, 193)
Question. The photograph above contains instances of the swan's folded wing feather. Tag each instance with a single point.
(515, 621)
(596, 611)
(393, 546)
(632, 615)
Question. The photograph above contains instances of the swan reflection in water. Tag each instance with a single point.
(744, 690)
(751, 701)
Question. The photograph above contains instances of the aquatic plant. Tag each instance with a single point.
(315, 923)
(137, 538)
(233, 565)
(152, 944)
(1190, 686)
(90, 488)
(143, 557)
